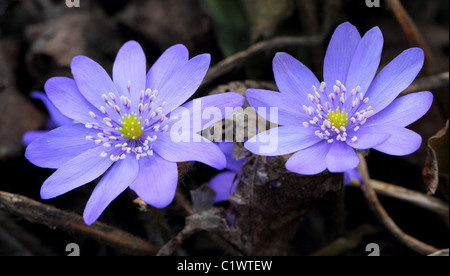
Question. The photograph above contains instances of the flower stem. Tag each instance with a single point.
(340, 209)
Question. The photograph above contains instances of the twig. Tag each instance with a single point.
(349, 242)
(427, 202)
(36, 212)
(179, 198)
(384, 217)
(412, 33)
(231, 62)
(442, 252)
(170, 247)
(235, 60)
(428, 83)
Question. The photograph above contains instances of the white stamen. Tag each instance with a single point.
(322, 86)
(103, 109)
(117, 109)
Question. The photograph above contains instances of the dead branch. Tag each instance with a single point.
(412, 33)
(239, 58)
(424, 201)
(428, 83)
(37, 212)
(443, 252)
(172, 245)
(384, 217)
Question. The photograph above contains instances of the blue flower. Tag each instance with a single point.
(325, 123)
(125, 128)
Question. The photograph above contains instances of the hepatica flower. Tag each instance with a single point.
(125, 130)
(323, 123)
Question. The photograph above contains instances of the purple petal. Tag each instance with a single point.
(340, 52)
(402, 111)
(223, 184)
(32, 135)
(365, 61)
(183, 83)
(156, 182)
(401, 142)
(289, 109)
(129, 71)
(55, 115)
(341, 158)
(348, 175)
(394, 78)
(60, 145)
(309, 161)
(199, 149)
(93, 81)
(281, 140)
(192, 115)
(232, 164)
(162, 70)
(78, 171)
(112, 184)
(292, 77)
(64, 94)
(367, 137)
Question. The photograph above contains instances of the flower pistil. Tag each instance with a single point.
(335, 112)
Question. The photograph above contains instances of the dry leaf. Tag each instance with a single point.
(437, 162)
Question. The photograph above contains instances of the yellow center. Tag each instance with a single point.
(337, 118)
(131, 127)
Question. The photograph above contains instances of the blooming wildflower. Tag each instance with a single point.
(224, 183)
(56, 119)
(323, 123)
(125, 127)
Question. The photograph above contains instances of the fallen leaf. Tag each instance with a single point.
(437, 162)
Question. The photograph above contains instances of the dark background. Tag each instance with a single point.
(39, 38)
